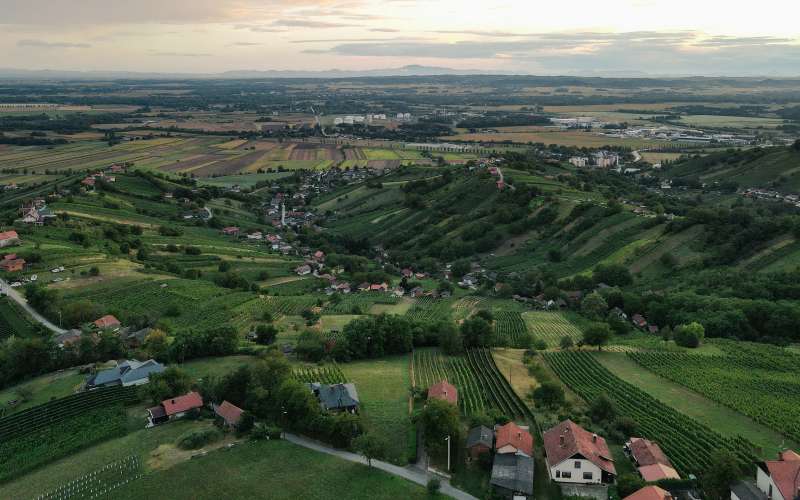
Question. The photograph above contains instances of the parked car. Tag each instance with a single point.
(16, 284)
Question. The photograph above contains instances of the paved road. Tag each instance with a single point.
(410, 473)
(19, 299)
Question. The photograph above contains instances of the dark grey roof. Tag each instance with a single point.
(336, 396)
(746, 490)
(480, 435)
(127, 372)
(513, 472)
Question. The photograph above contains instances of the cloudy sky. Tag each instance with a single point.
(526, 36)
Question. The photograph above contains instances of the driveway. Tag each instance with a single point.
(410, 473)
(19, 299)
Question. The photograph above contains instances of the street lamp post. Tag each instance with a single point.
(448, 452)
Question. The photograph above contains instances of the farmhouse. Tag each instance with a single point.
(652, 463)
(336, 397)
(68, 338)
(229, 413)
(303, 270)
(575, 455)
(230, 231)
(445, 391)
(780, 479)
(480, 440)
(171, 409)
(511, 438)
(128, 373)
(107, 322)
(11, 264)
(639, 321)
(512, 475)
(9, 238)
(650, 493)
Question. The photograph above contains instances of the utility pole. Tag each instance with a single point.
(448, 452)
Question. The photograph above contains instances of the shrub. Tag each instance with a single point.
(434, 484)
(198, 438)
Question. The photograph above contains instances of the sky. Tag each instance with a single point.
(597, 37)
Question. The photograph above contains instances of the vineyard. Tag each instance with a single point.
(288, 306)
(98, 483)
(480, 384)
(57, 410)
(33, 449)
(689, 444)
(11, 322)
(551, 327)
(430, 309)
(752, 380)
(509, 328)
(358, 304)
(330, 374)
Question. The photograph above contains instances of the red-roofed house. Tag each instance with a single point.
(650, 493)
(575, 455)
(319, 256)
(445, 391)
(407, 273)
(653, 464)
(780, 479)
(383, 287)
(180, 406)
(230, 231)
(511, 438)
(230, 413)
(9, 238)
(107, 321)
(12, 265)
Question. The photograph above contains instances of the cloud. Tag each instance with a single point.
(52, 45)
(180, 54)
(384, 30)
(309, 23)
(246, 44)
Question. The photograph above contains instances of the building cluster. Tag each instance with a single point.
(370, 118)
(679, 134)
(770, 195)
(36, 213)
(775, 480)
(598, 159)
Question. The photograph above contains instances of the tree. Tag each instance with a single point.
(552, 293)
(476, 332)
(439, 419)
(612, 274)
(549, 394)
(796, 145)
(597, 335)
(722, 471)
(266, 334)
(602, 409)
(170, 383)
(450, 339)
(371, 446)
(566, 342)
(460, 268)
(690, 335)
(628, 484)
(594, 306)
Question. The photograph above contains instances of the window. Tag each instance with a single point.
(577, 464)
(566, 474)
(558, 473)
(587, 475)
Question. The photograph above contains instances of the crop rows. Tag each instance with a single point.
(551, 327)
(357, 304)
(770, 394)
(688, 443)
(430, 309)
(509, 327)
(500, 391)
(330, 374)
(57, 410)
(288, 306)
(98, 483)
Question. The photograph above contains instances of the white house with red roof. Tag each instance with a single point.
(107, 322)
(9, 238)
(575, 455)
(780, 479)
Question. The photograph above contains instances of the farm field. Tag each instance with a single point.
(724, 420)
(41, 390)
(274, 470)
(550, 327)
(562, 138)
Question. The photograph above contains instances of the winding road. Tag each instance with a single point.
(19, 299)
(409, 473)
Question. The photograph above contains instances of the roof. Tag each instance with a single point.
(657, 472)
(649, 493)
(107, 321)
(513, 472)
(182, 403)
(577, 441)
(646, 452)
(514, 435)
(127, 372)
(229, 412)
(336, 396)
(746, 490)
(785, 473)
(443, 390)
(157, 412)
(480, 435)
(9, 235)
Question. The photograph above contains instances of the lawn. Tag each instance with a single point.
(336, 322)
(383, 387)
(42, 389)
(274, 470)
(716, 416)
(215, 367)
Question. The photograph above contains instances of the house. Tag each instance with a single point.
(107, 322)
(255, 236)
(511, 438)
(407, 273)
(127, 373)
(336, 397)
(88, 182)
(512, 475)
(652, 463)
(746, 490)
(653, 329)
(639, 321)
(619, 313)
(650, 493)
(9, 238)
(445, 391)
(230, 231)
(319, 256)
(383, 287)
(343, 288)
(68, 338)
(417, 291)
(575, 455)
(174, 408)
(780, 479)
(229, 413)
(480, 440)
(135, 339)
(11, 264)
(363, 287)
(303, 270)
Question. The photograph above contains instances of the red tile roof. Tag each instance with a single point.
(657, 472)
(107, 321)
(445, 391)
(649, 493)
(785, 473)
(577, 441)
(646, 452)
(229, 412)
(182, 403)
(514, 435)
(9, 235)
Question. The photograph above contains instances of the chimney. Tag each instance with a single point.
(561, 440)
(594, 438)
